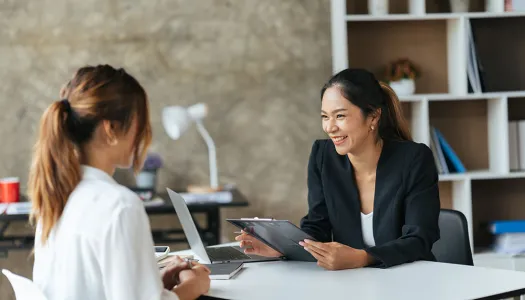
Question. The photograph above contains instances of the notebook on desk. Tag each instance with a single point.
(224, 271)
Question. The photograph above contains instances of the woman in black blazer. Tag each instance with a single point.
(372, 192)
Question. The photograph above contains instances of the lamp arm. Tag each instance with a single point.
(214, 182)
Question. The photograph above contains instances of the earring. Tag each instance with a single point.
(113, 142)
(372, 127)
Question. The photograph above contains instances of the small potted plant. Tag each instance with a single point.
(147, 177)
(400, 75)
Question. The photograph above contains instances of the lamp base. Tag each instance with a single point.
(202, 189)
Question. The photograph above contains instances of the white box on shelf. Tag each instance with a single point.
(416, 7)
(514, 162)
(521, 144)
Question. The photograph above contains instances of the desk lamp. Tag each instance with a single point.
(176, 120)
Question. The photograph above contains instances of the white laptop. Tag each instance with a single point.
(209, 255)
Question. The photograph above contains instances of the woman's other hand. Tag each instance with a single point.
(194, 282)
(252, 245)
(170, 273)
(336, 256)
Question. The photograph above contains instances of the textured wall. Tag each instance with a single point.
(258, 64)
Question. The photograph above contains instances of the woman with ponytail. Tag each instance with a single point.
(372, 192)
(93, 238)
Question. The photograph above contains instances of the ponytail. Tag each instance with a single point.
(393, 124)
(55, 169)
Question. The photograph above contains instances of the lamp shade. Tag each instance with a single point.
(177, 119)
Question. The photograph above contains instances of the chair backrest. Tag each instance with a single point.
(24, 288)
(453, 245)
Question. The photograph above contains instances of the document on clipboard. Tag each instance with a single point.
(282, 235)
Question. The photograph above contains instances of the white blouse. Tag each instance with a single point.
(101, 247)
(367, 228)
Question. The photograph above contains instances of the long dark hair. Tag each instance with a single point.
(95, 93)
(362, 89)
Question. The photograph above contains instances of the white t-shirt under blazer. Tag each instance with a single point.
(367, 227)
(101, 248)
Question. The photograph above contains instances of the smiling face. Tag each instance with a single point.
(345, 123)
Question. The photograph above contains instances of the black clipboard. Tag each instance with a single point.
(281, 235)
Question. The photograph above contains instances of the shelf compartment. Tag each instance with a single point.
(443, 6)
(445, 194)
(500, 199)
(516, 108)
(360, 7)
(373, 45)
(358, 10)
(500, 45)
(464, 126)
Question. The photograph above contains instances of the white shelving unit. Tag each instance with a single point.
(476, 123)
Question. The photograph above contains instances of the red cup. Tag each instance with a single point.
(9, 190)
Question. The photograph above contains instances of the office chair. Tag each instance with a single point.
(24, 288)
(453, 245)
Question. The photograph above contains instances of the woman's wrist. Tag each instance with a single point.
(186, 291)
(366, 259)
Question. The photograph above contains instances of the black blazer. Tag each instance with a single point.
(406, 202)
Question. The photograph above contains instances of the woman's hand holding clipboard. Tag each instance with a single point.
(251, 245)
(272, 238)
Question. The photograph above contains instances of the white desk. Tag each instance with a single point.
(419, 280)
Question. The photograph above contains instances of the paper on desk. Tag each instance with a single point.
(154, 202)
(215, 197)
(16, 208)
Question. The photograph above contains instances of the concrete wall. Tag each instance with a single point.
(259, 65)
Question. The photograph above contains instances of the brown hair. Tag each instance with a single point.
(362, 89)
(395, 119)
(94, 94)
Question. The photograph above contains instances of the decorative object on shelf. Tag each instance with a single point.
(416, 7)
(401, 75)
(378, 7)
(459, 6)
(147, 177)
(176, 120)
(513, 5)
(494, 6)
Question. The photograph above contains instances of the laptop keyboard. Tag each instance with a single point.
(225, 253)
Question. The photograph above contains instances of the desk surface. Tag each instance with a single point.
(419, 280)
(164, 208)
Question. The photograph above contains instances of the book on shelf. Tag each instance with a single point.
(517, 145)
(475, 70)
(507, 226)
(446, 159)
(509, 236)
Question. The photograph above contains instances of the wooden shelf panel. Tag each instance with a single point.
(435, 16)
(500, 44)
(445, 194)
(374, 45)
(398, 9)
(480, 175)
(407, 111)
(401, 6)
(470, 96)
(464, 126)
(496, 200)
